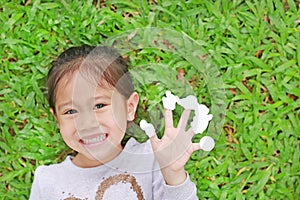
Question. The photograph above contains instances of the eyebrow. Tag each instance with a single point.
(59, 107)
(102, 97)
(99, 97)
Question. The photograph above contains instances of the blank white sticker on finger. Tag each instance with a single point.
(190, 102)
(207, 143)
(147, 127)
(170, 100)
(201, 119)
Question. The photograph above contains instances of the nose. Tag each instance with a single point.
(86, 121)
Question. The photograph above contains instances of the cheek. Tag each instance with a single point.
(112, 119)
(119, 112)
(119, 116)
(117, 119)
(69, 134)
(67, 128)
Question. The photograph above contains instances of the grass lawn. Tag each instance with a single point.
(253, 48)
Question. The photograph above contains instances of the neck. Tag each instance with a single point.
(82, 161)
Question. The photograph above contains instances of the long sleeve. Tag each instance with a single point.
(35, 188)
(187, 190)
(130, 176)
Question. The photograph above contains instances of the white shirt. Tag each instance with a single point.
(134, 175)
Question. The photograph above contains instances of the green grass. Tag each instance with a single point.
(253, 44)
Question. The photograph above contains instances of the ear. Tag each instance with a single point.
(132, 103)
(54, 114)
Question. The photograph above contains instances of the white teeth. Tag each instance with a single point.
(97, 139)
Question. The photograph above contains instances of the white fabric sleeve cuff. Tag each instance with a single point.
(187, 190)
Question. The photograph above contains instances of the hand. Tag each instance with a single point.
(174, 149)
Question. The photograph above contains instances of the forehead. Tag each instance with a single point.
(76, 87)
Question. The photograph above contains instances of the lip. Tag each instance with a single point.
(93, 140)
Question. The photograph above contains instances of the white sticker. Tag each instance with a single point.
(190, 102)
(147, 127)
(170, 101)
(207, 143)
(201, 119)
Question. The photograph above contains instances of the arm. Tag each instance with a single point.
(186, 190)
(172, 152)
(174, 149)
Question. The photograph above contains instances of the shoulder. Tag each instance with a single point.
(136, 147)
(49, 171)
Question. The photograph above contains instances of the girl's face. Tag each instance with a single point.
(92, 119)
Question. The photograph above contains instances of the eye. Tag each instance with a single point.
(99, 106)
(70, 112)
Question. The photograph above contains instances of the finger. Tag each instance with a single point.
(184, 118)
(190, 133)
(154, 142)
(194, 147)
(168, 119)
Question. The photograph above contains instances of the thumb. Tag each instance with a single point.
(154, 141)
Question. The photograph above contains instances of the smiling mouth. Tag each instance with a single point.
(95, 139)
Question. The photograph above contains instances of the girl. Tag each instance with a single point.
(92, 98)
